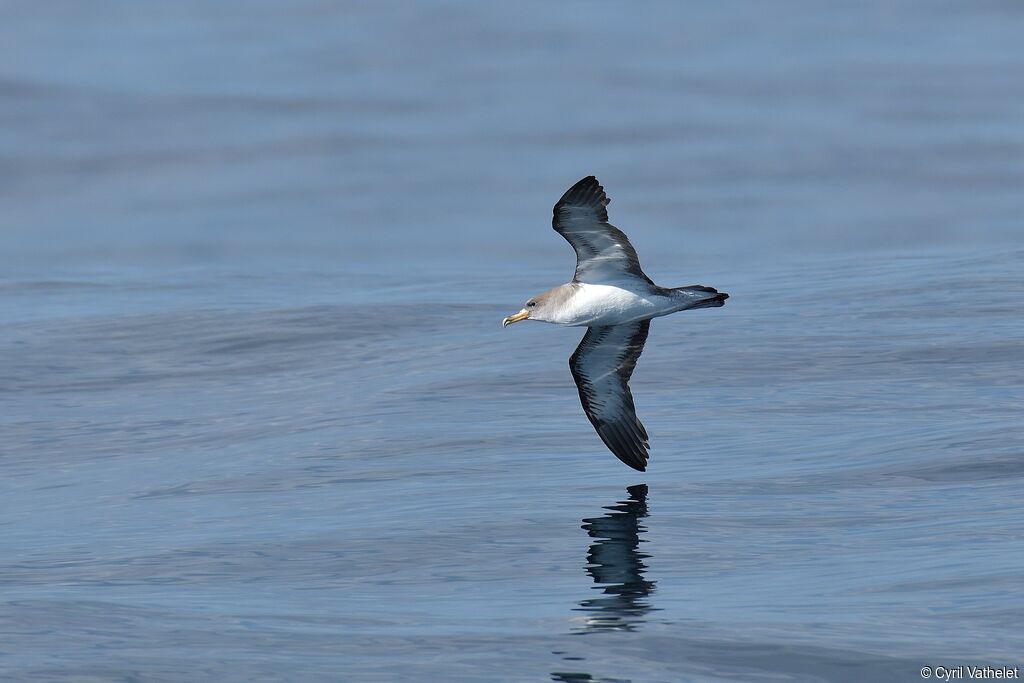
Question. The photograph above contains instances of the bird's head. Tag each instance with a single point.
(540, 307)
(524, 314)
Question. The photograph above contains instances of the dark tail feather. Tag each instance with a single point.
(703, 297)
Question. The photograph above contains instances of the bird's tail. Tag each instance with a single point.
(701, 296)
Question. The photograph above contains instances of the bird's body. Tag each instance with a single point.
(615, 300)
(610, 304)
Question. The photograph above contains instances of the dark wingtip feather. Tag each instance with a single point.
(587, 192)
(630, 451)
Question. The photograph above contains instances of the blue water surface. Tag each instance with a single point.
(260, 421)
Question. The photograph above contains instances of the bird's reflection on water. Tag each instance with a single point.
(616, 564)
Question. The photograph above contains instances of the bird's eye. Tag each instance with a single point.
(531, 304)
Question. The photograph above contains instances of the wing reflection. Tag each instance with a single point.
(617, 565)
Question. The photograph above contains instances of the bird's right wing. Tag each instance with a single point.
(603, 252)
(602, 366)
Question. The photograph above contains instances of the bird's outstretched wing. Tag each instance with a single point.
(603, 252)
(602, 366)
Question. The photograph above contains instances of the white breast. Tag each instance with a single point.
(609, 305)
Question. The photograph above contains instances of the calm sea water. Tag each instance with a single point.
(260, 421)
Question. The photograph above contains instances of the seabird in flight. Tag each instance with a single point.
(615, 301)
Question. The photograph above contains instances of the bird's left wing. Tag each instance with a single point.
(602, 366)
(603, 252)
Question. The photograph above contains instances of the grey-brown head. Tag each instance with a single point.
(542, 307)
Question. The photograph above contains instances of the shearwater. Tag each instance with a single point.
(615, 300)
